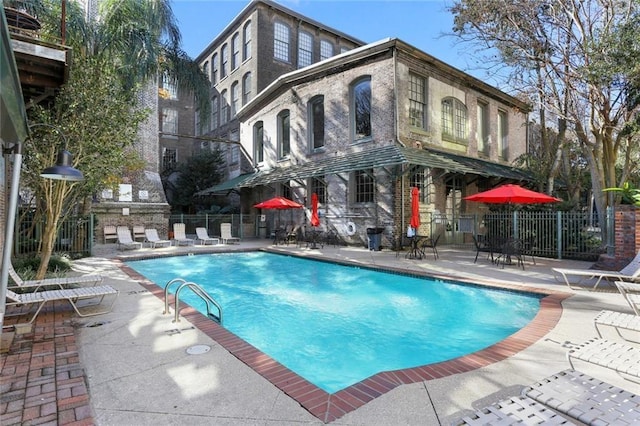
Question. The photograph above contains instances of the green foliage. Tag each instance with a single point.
(199, 172)
(629, 195)
(27, 266)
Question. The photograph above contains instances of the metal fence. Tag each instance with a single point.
(562, 235)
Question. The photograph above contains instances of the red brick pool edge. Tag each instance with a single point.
(329, 407)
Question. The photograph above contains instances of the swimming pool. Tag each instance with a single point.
(336, 325)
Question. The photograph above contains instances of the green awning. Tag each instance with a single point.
(380, 157)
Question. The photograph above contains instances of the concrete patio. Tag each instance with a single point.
(131, 366)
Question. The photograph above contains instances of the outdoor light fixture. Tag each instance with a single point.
(63, 169)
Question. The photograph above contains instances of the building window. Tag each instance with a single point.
(224, 60)
(235, 98)
(205, 68)
(361, 108)
(417, 101)
(169, 120)
(326, 49)
(421, 178)
(502, 136)
(258, 142)
(363, 186)
(215, 110)
(284, 134)
(197, 124)
(235, 149)
(344, 49)
(483, 128)
(454, 120)
(169, 89)
(246, 88)
(316, 122)
(246, 47)
(285, 191)
(281, 41)
(235, 51)
(319, 188)
(224, 108)
(214, 69)
(305, 49)
(169, 158)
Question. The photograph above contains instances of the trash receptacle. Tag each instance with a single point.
(375, 237)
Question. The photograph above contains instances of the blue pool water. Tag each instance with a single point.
(336, 325)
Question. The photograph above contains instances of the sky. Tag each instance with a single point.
(421, 23)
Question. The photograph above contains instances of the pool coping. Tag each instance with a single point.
(330, 407)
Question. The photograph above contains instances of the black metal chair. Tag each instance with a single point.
(511, 249)
(483, 245)
(431, 243)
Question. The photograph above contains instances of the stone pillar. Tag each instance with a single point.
(626, 238)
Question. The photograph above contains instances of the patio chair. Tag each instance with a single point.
(109, 233)
(179, 235)
(630, 272)
(138, 233)
(154, 240)
(620, 357)
(204, 238)
(60, 282)
(631, 293)
(71, 295)
(125, 242)
(619, 321)
(225, 233)
(482, 246)
(431, 243)
(511, 250)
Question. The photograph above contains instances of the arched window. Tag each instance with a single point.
(326, 49)
(214, 69)
(224, 61)
(246, 47)
(305, 49)
(361, 108)
(246, 88)
(224, 107)
(281, 41)
(454, 120)
(315, 110)
(215, 106)
(235, 98)
(258, 142)
(235, 51)
(284, 134)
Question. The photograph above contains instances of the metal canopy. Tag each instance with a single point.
(374, 158)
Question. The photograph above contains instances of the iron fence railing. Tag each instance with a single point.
(562, 235)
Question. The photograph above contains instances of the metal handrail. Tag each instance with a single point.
(197, 290)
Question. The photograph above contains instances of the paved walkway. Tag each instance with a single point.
(135, 364)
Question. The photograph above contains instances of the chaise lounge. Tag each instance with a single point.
(60, 282)
(630, 272)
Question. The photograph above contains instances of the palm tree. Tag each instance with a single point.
(134, 40)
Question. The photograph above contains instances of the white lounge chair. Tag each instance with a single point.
(109, 233)
(204, 238)
(125, 241)
(631, 293)
(60, 282)
(71, 295)
(620, 357)
(225, 233)
(138, 233)
(154, 240)
(628, 273)
(619, 321)
(564, 398)
(179, 235)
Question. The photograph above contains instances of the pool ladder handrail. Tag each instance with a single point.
(197, 290)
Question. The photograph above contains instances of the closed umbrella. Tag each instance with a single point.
(415, 208)
(315, 220)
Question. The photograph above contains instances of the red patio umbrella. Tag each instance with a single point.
(278, 203)
(315, 220)
(511, 194)
(415, 208)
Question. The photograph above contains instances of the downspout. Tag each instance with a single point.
(397, 134)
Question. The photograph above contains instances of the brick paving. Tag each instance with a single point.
(42, 381)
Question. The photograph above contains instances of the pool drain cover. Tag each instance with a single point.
(198, 349)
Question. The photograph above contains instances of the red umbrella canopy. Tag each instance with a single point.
(510, 193)
(315, 220)
(279, 203)
(415, 208)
